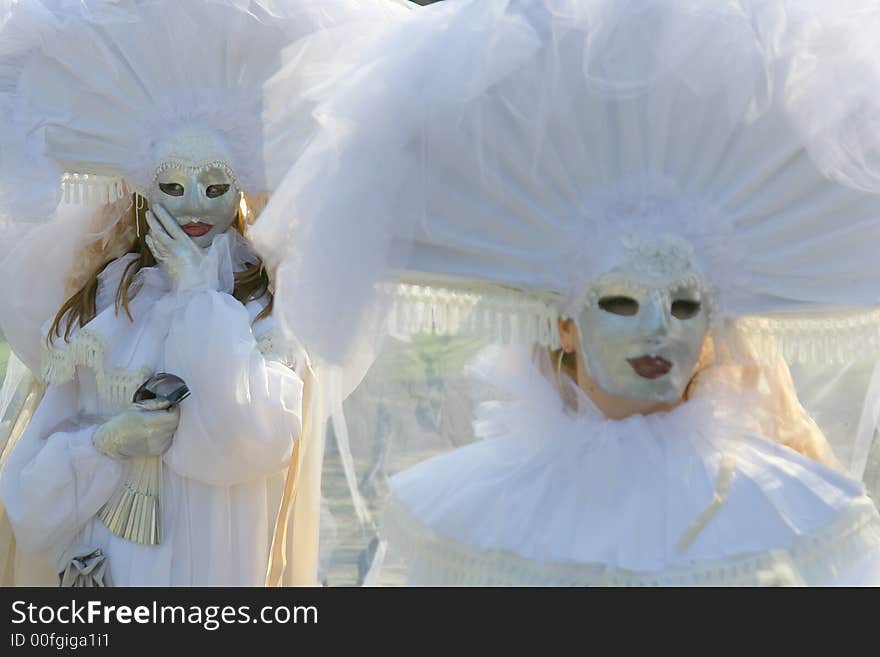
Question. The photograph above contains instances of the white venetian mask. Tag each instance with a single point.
(196, 185)
(644, 322)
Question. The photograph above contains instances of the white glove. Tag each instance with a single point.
(143, 429)
(179, 255)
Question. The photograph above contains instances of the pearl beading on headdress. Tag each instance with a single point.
(663, 264)
(184, 165)
(662, 236)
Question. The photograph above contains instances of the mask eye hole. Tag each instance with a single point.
(172, 189)
(625, 306)
(685, 308)
(215, 191)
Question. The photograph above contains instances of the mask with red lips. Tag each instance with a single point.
(194, 183)
(643, 326)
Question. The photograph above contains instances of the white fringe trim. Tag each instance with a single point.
(499, 315)
(818, 558)
(116, 386)
(506, 316)
(839, 339)
(89, 189)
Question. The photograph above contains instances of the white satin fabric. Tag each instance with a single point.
(224, 472)
(554, 497)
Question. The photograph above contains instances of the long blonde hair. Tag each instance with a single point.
(80, 307)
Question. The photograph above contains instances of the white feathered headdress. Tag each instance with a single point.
(111, 82)
(99, 94)
(535, 145)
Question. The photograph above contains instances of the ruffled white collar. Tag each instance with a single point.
(646, 494)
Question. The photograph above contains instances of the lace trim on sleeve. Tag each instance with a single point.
(116, 386)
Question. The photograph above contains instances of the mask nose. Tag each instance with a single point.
(190, 200)
(200, 199)
(655, 320)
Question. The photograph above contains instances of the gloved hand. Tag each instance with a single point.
(174, 249)
(143, 429)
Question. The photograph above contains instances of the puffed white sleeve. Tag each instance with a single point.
(244, 412)
(55, 481)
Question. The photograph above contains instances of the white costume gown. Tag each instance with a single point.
(692, 496)
(224, 472)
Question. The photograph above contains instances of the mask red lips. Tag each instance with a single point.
(197, 228)
(650, 367)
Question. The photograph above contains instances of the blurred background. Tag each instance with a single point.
(4, 356)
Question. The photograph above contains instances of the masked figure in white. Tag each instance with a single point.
(158, 110)
(641, 201)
